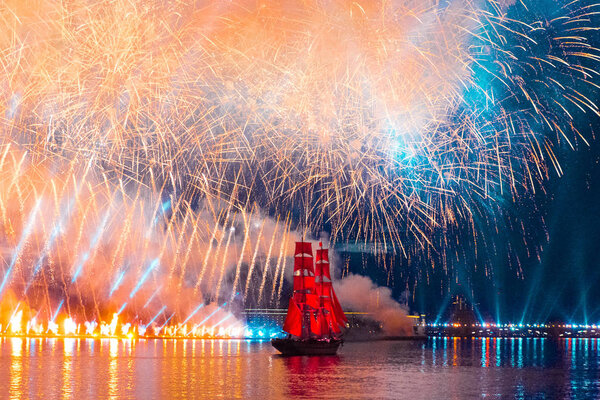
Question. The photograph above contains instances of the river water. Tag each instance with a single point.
(441, 368)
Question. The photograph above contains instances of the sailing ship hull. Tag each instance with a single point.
(307, 347)
(314, 318)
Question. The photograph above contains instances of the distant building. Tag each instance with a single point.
(265, 316)
(461, 313)
(361, 325)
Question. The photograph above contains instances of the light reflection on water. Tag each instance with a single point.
(16, 368)
(440, 368)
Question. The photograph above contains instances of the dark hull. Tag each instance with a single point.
(308, 347)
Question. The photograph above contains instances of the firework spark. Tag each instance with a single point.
(151, 141)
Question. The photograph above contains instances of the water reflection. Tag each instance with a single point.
(308, 377)
(113, 352)
(67, 370)
(439, 368)
(16, 368)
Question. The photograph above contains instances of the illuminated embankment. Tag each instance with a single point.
(557, 330)
(226, 328)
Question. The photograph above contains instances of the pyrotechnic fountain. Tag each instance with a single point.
(158, 158)
(88, 251)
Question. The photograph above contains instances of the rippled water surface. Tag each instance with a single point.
(166, 369)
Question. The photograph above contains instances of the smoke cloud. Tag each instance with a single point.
(92, 247)
(360, 293)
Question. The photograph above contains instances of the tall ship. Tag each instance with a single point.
(314, 319)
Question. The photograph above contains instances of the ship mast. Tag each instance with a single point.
(297, 321)
(321, 279)
(313, 309)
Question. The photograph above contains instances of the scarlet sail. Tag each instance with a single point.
(314, 310)
(293, 319)
(325, 290)
(304, 273)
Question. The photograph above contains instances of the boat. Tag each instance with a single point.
(314, 319)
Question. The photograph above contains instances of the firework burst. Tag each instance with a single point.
(386, 121)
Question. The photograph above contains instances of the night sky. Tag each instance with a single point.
(461, 187)
(538, 260)
(559, 282)
(564, 285)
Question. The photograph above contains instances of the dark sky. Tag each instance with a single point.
(559, 283)
(565, 285)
